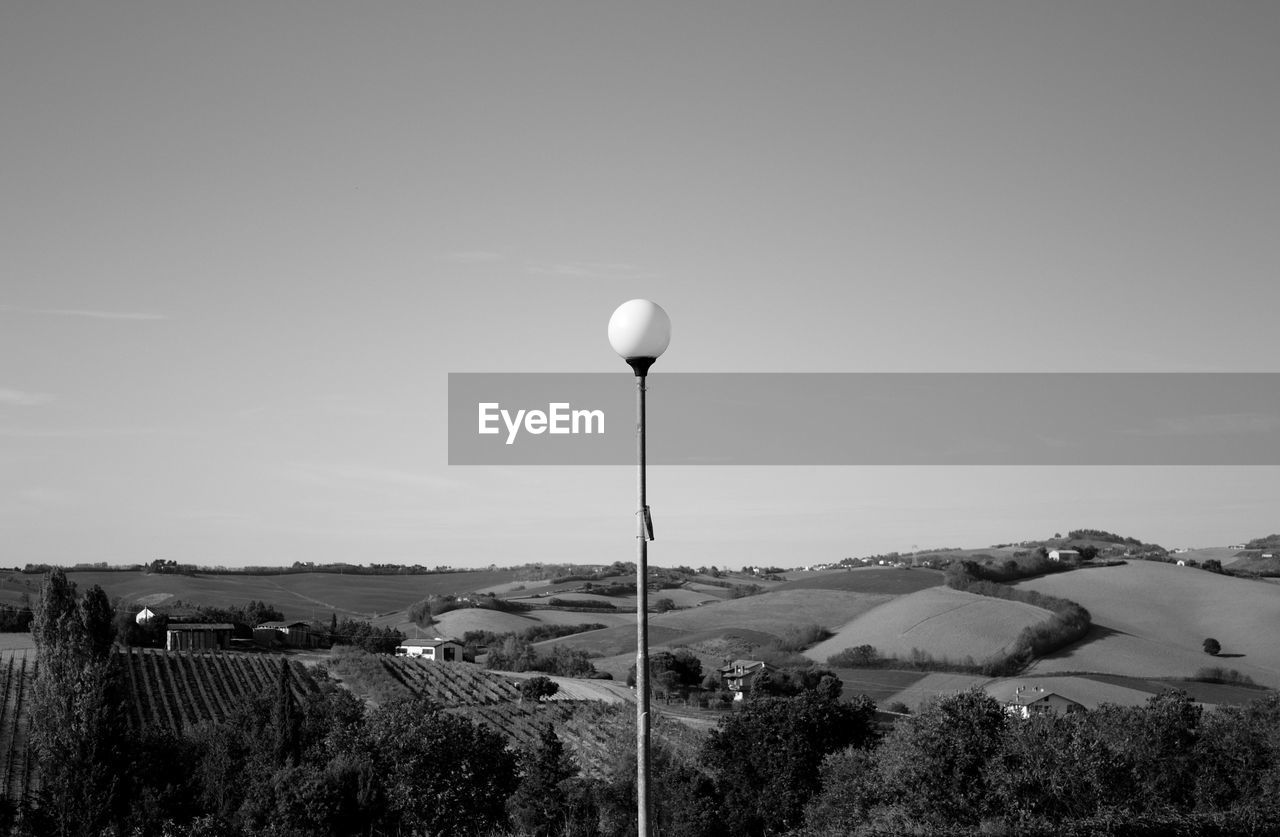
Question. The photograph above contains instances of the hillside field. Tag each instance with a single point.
(297, 595)
(938, 620)
(892, 581)
(1150, 620)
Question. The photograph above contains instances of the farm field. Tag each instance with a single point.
(891, 581)
(175, 689)
(456, 623)
(1252, 561)
(17, 641)
(297, 595)
(878, 684)
(586, 714)
(774, 612)
(931, 686)
(939, 620)
(1217, 553)
(758, 619)
(17, 774)
(1150, 619)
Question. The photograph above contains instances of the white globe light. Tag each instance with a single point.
(639, 329)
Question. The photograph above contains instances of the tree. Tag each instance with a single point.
(286, 725)
(536, 688)
(1212, 646)
(78, 725)
(442, 774)
(99, 622)
(538, 807)
(932, 766)
(515, 654)
(766, 757)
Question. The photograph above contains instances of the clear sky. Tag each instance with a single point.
(244, 243)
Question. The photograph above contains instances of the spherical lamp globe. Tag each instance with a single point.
(640, 332)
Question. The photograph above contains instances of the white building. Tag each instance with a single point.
(1025, 701)
(438, 649)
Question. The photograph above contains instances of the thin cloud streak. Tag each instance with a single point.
(21, 398)
(591, 270)
(1215, 424)
(472, 257)
(85, 432)
(336, 475)
(88, 313)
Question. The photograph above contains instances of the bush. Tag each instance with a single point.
(1212, 646)
(1218, 674)
(800, 637)
(585, 604)
(536, 688)
(863, 656)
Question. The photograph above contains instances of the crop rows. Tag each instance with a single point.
(451, 684)
(17, 779)
(175, 689)
(590, 730)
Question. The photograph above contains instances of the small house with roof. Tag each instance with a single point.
(438, 649)
(1023, 701)
(740, 676)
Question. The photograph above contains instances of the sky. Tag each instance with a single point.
(245, 243)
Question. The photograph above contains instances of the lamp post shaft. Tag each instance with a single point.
(642, 627)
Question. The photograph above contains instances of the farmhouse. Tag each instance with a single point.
(1026, 701)
(1062, 554)
(292, 634)
(1023, 697)
(198, 636)
(439, 649)
(740, 676)
(173, 614)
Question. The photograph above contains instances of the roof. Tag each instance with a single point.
(283, 624)
(427, 643)
(173, 612)
(1085, 691)
(743, 664)
(202, 626)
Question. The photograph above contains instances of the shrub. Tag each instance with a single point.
(1212, 646)
(800, 637)
(1218, 674)
(536, 688)
(863, 656)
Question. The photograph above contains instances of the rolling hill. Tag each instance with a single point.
(938, 620)
(296, 595)
(1150, 618)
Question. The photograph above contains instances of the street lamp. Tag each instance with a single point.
(640, 331)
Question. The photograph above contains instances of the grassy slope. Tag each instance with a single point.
(1253, 562)
(932, 685)
(887, 580)
(939, 620)
(1151, 618)
(730, 628)
(298, 596)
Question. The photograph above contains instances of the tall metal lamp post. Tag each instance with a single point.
(640, 331)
